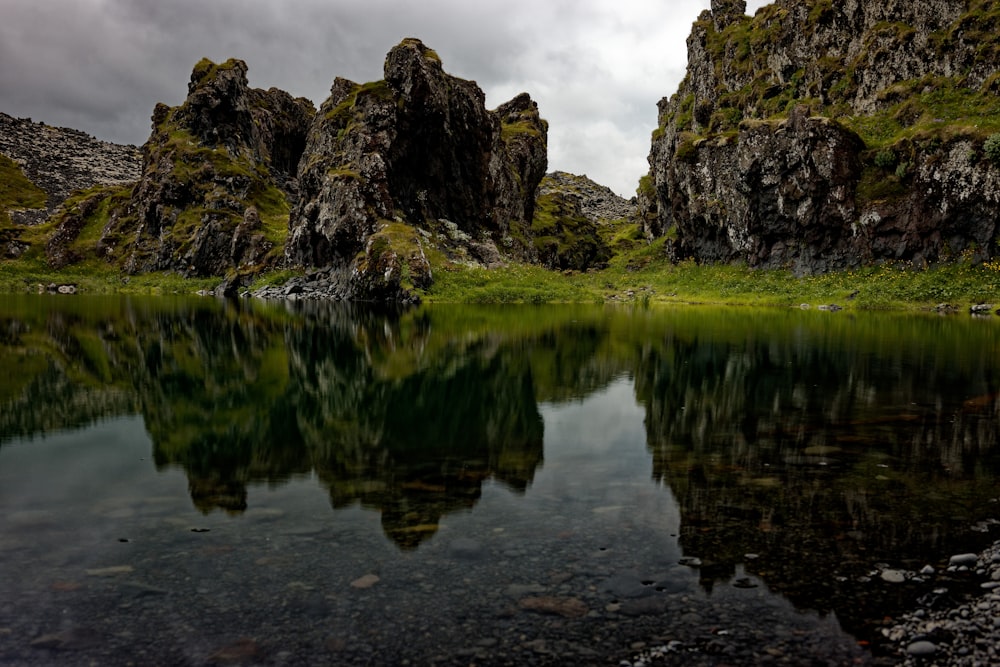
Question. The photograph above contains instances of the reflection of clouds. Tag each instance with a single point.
(596, 461)
(607, 419)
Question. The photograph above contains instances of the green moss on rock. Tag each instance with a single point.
(16, 190)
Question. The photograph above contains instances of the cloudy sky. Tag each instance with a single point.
(595, 67)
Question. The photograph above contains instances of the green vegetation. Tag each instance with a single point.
(205, 69)
(643, 275)
(16, 191)
(991, 148)
(564, 238)
(344, 113)
(509, 131)
(94, 277)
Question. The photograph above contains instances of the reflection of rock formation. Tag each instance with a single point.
(384, 411)
(419, 445)
(411, 412)
(57, 370)
(823, 459)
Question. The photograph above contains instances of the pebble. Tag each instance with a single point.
(963, 560)
(558, 606)
(921, 649)
(367, 581)
(893, 576)
(964, 635)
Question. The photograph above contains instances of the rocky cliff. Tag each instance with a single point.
(820, 135)
(217, 174)
(415, 152)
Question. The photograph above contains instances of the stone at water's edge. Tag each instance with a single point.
(921, 649)
(963, 559)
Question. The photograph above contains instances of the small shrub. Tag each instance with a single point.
(991, 148)
(885, 159)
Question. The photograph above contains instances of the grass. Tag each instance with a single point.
(94, 277)
(16, 191)
(639, 274)
(643, 277)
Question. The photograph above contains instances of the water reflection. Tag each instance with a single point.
(818, 442)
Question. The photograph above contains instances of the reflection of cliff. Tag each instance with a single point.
(785, 434)
(415, 445)
(56, 373)
(823, 456)
(386, 413)
(214, 397)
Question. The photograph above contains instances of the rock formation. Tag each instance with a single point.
(217, 172)
(237, 180)
(414, 151)
(821, 135)
(212, 196)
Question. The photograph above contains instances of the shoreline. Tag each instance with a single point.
(959, 288)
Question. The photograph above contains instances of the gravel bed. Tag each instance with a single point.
(963, 634)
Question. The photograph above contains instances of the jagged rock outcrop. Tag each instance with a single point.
(596, 202)
(236, 180)
(60, 161)
(885, 161)
(418, 149)
(215, 169)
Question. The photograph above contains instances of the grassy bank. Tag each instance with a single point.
(641, 276)
(93, 277)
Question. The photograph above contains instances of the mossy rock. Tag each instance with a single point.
(16, 190)
(564, 238)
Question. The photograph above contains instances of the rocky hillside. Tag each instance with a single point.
(60, 161)
(821, 135)
(574, 216)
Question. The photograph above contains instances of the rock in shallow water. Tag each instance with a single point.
(893, 576)
(921, 649)
(963, 559)
(558, 606)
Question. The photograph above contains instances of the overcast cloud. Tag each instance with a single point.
(595, 67)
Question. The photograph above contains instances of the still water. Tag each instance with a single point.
(196, 482)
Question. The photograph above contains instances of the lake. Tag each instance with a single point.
(191, 481)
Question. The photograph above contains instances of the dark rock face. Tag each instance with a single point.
(413, 150)
(356, 192)
(212, 169)
(740, 171)
(784, 194)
